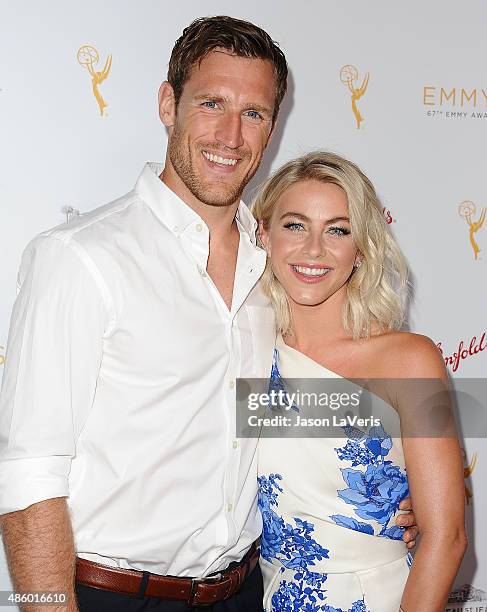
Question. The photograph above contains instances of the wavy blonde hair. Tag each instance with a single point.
(377, 290)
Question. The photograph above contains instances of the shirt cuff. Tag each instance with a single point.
(26, 481)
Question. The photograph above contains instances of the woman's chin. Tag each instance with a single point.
(308, 300)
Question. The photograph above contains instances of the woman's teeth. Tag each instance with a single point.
(227, 161)
(311, 271)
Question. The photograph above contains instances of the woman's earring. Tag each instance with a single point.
(357, 264)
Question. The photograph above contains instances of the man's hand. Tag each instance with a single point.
(409, 521)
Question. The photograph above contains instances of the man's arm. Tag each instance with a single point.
(51, 369)
(40, 551)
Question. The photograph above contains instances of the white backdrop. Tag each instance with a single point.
(421, 141)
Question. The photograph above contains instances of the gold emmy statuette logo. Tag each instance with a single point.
(467, 210)
(349, 77)
(87, 57)
(2, 356)
(467, 472)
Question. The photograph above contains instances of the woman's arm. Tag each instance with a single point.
(435, 474)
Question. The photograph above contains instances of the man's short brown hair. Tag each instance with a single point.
(236, 36)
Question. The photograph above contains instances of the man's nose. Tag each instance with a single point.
(229, 130)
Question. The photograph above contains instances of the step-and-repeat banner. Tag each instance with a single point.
(399, 88)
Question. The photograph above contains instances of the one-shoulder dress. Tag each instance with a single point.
(328, 504)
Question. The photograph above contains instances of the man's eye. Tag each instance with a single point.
(209, 104)
(294, 226)
(253, 114)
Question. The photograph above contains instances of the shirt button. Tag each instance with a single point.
(235, 444)
(231, 384)
(176, 229)
(199, 227)
(229, 507)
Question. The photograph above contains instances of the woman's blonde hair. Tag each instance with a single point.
(376, 291)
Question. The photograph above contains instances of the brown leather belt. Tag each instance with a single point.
(195, 591)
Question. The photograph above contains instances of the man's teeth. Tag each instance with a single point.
(311, 271)
(219, 160)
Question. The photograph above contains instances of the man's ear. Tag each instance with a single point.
(167, 104)
(263, 237)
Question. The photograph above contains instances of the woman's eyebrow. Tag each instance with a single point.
(305, 218)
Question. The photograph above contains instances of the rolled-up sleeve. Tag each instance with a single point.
(51, 369)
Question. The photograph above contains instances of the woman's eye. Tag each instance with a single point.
(294, 226)
(339, 231)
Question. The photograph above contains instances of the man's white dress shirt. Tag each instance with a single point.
(119, 385)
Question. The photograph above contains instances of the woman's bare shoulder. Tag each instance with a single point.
(405, 354)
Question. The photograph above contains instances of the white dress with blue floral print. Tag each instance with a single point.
(329, 539)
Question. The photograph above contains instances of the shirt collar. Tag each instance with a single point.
(173, 211)
(247, 221)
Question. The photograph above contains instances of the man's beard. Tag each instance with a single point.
(206, 192)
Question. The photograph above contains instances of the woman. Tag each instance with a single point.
(335, 277)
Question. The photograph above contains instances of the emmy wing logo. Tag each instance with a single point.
(87, 58)
(468, 469)
(349, 77)
(467, 210)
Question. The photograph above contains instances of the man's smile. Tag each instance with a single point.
(218, 159)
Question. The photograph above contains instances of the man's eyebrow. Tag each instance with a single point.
(210, 96)
(305, 218)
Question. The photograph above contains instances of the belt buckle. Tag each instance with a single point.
(194, 587)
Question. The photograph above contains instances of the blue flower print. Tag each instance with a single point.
(292, 546)
(363, 449)
(357, 606)
(376, 491)
(296, 550)
(351, 523)
(290, 597)
(355, 453)
(277, 385)
(379, 442)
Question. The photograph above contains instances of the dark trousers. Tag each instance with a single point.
(248, 599)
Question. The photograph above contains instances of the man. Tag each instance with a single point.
(130, 328)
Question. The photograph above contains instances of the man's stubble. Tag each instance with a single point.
(225, 194)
